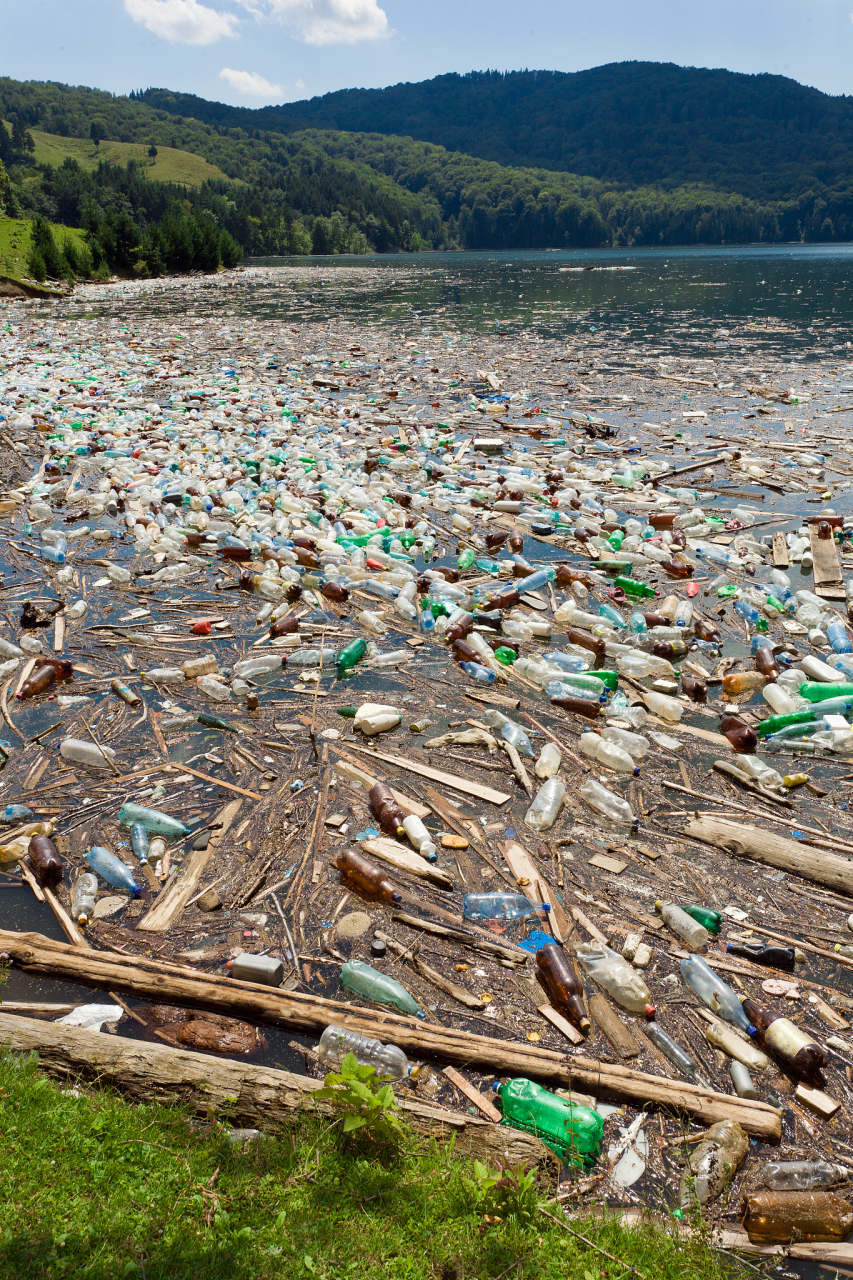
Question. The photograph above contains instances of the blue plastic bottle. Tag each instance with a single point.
(478, 672)
(112, 869)
(836, 634)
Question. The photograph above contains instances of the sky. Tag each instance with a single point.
(253, 52)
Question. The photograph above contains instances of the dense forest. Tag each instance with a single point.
(325, 190)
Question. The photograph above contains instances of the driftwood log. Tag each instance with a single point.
(158, 982)
(799, 859)
(244, 1095)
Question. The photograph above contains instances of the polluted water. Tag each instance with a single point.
(493, 684)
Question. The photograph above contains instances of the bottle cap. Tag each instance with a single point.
(751, 1030)
(650, 1011)
(377, 947)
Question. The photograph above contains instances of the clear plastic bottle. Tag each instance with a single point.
(713, 1163)
(606, 802)
(605, 753)
(389, 1060)
(669, 709)
(670, 1048)
(16, 813)
(684, 926)
(727, 1040)
(634, 743)
(373, 985)
(216, 690)
(612, 972)
(139, 841)
(501, 906)
(549, 761)
(546, 805)
(713, 992)
(86, 753)
(802, 1175)
(83, 897)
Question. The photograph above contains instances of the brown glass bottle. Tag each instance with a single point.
(306, 557)
(741, 735)
(786, 1041)
(516, 542)
(334, 591)
(765, 662)
(563, 987)
(459, 629)
(696, 689)
(669, 649)
(580, 706)
(286, 626)
(387, 809)
(657, 620)
(44, 858)
(662, 519)
(364, 877)
(47, 673)
(704, 630)
(235, 553)
(677, 568)
(505, 599)
(586, 640)
(495, 539)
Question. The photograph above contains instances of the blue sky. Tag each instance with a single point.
(251, 52)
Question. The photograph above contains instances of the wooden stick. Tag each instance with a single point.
(426, 971)
(205, 777)
(506, 954)
(149, 979)
(473, 1094)
(448, 779)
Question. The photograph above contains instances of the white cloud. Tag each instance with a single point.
(326, 21)
(250, 84)
(182, 21)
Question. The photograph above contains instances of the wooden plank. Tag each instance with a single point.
(205, 777)
(493, 699)
(482, 1103)
(557, 1020)
(523, 868)
(780, 551)
(826, 568)
(614, 865)
(397, 855)
(180, 888)
(585, 923)
(612, 1027)
(448, 779)
(406, 803)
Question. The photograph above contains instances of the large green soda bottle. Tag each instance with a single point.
(817, 692)
(711, 920)
(774, 723)
(351, 655)
(569, 1129)
(373, 985)
(639, 590)
(465, 559)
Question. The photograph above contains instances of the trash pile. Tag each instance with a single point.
(368, 665)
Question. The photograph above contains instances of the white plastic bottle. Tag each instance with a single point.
(86, 753)
(420, 837)
(607, 754)
(550, 759)
(216, 690)
(375, 717)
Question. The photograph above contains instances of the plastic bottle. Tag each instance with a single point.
(549, 761)
(670, 1048)
(801, 1175)
(571, 1130)
(501, 906)
(562, 984)
(588, 707)
(546, 805)
(786, 1041)
(389, 1060)
(634, 743)
(139, 841)
(743, 682)
(612, 972)
(713, 1163)
(372, 985)
(817, 691)
(212, 688)
(387, 809)
(684, 926)
(365, 877)
(86, 753)
(742, 1081)
(742, 736)
(780, 1217)
(351, 655)
(710, 919)
(112, 869)
(741, 1049)
(776, 957)
(669, 709)
(605, 801)
(608, 754)
(375, 717)
(83, 897)
(159, 824)
(266, 970)
(45, 861)
(478, 672)
(420, 837)
(716, 994)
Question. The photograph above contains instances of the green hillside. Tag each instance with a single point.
(169, 165)
(15, 241)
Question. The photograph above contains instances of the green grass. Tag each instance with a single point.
(170, 164)
(97, 1188)
(15, 237)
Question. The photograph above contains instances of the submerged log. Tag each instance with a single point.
(238, 1093)
(154, 980)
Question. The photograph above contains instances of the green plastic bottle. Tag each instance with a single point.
(465, 559)
(348, 713)
(351, 655)
(616, 538)
(216, 722)
(610, 678)
(639, 590)
(817, 692)
(569, 1129)
(160, 824)
(774, 723)
(711, 920)
(727, 591)
(505, 655)
(373, 985)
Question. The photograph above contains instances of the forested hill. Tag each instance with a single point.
(631, 123)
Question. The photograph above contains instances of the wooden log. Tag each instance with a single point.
(506, 955)
(181, 887)
(464, 785)
(745, 841)
(612, 1027)
(240, 1093)
(154, 980)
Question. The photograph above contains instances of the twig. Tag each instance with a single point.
(108, 759)
(590, 1244)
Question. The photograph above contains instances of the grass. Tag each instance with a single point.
(97, 1188)
(15, 237)
(170, 164)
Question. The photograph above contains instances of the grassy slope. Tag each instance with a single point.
(170, 164)
(15, 236)
(96, 1188)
